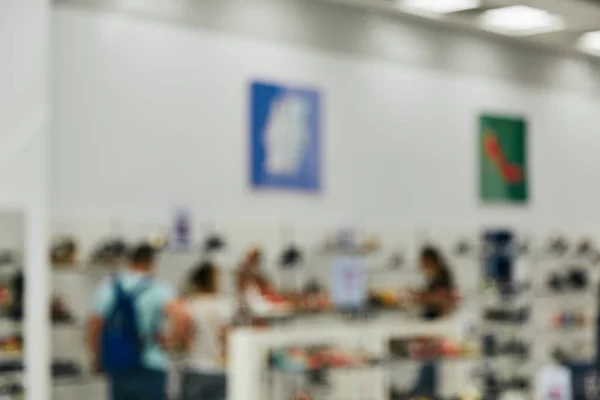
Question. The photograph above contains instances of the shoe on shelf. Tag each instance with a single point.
(110, 252)
(64, 252)
(59, 312)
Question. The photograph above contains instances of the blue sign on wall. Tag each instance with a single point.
(285, 137)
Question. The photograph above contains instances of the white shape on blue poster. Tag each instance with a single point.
(285, 149)
(348, 283)
(181, 230)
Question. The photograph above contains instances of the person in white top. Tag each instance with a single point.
(204, 376)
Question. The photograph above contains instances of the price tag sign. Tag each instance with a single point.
(348, 283)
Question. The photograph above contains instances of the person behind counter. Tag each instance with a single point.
(438, 299)
(211, 314)
(439, 296)
(254, 288)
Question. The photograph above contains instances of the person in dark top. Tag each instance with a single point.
(439, 296)
(438, 299)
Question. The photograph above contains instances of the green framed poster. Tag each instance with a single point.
(503, 173)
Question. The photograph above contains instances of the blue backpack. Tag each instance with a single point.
(122, 345)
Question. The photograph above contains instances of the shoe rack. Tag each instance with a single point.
(12, 248)
(566, 301)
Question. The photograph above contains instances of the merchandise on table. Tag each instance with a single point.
(298, 359)
(424, 348)
(384, 298)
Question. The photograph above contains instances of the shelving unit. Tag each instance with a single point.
(76, 286)
(549, 303)
(11, 362)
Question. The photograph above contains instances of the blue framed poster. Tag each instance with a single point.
(285, 137)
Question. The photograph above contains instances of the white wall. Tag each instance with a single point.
(151, 114)
(24, 163)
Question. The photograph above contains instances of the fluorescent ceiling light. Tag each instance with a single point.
(438, 6)
(521, 21)
(590, 43)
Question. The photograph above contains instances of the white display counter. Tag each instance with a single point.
(249, 377)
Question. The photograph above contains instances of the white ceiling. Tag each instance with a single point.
(581, 16)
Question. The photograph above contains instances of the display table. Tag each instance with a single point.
(250, 377)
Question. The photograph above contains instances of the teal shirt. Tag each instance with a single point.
(150, 311)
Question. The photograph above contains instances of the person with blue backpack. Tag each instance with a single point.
(125, 331)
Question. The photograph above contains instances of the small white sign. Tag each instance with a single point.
(554, 382)
(348, 282)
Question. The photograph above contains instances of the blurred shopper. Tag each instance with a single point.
(438, 299)
(255, 291)
(249, 274)
(125, 333)
(211, 314)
